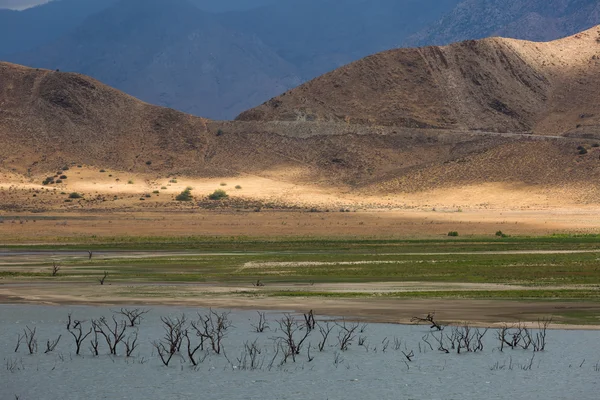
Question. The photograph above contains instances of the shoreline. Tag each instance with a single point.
(365, 310)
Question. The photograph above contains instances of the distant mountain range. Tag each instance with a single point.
(216, 59)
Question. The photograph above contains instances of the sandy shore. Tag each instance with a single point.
(488, 313)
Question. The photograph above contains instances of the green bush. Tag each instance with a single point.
(499, 233)
(218, 194)
(453, 233)
(75, 195)
(186, 195)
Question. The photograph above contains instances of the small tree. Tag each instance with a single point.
(186, 195)
(218, 194)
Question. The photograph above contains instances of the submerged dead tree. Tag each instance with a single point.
(428, 319)
(262, 324)
(113, 333)
(290, 342)
(51, 344)
(134, 316)
(78, 333)
(324, 329)
(346, 334)
(213, 328)
(170, 344)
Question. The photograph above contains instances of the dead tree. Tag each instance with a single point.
(468, 338)
(30, 339)
(78, 333)
(19, 340)
(409, 356)
(429, 319)
(164, 354)
(249, 359)
(101, 280)
(213, 327)
(441, 346)
(290, 344)
(174, 330)
(90, 255)
(346, 335)
(171, 342)
(94, 343)
(325, 330)
(113, 333)
(191, 350)
(309, 320)
(262, 323)
(131, 343)
(55, 269)
(134, 316)
(51, 345)
(539, 342)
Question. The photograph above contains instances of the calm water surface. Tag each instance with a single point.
(568, 369)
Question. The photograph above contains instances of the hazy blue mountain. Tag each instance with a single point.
(170, 53)
(320, 35)
(33, 27)
(217, 57)
(539, 20)
(27, 29)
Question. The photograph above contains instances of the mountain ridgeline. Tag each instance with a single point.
(407, 120)
(493, 85)
(217, 59)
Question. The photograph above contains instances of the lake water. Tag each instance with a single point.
(567, 369)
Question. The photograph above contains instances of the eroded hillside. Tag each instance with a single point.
(495, 85)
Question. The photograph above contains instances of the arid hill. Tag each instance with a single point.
(494, 85)
(50, 119)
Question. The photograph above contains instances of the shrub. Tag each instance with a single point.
(173, 180)
(583, 151)
(75, 195)
(63, 177)
(49, 180)
(65, 168)
(163, 188)
(102, 170)
(596, 145)
(218, 194)
(148, 162)
(156, 192)
(186, 195)
(147, 196)
(223, 184)
(219, 132)
(130, 182)
(59, 181)
(453, 233)
(499, 233)
(238, 187)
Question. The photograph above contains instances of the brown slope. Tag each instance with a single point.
(50, 119)
(496, 84)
